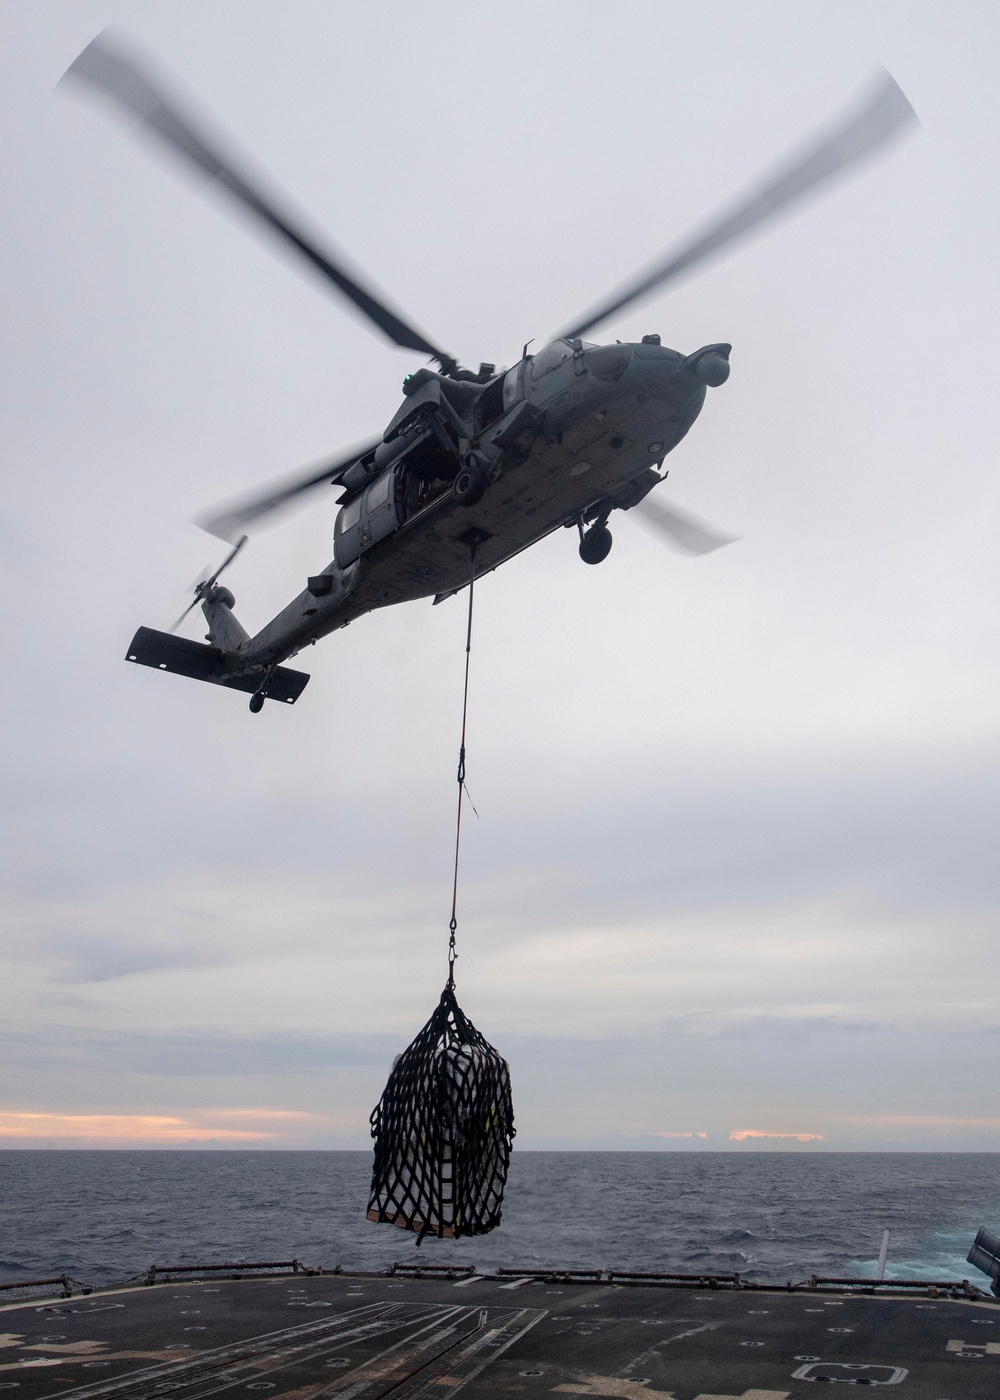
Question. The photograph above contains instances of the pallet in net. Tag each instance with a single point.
(443, 1130)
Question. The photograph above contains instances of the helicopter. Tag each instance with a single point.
(475, 466)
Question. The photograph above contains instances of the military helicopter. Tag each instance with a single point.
(475, 466)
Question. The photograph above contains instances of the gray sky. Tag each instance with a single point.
(736, 865)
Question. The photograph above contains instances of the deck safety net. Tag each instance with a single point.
(443, 1130)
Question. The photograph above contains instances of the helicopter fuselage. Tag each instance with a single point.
(562, 439)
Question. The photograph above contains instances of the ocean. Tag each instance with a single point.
(104, 1216)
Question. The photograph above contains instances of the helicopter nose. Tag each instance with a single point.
(711, 365)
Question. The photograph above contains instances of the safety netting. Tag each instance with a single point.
(443, 1131)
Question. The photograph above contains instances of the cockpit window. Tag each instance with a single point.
(550, 358)
(553, 356)
(512, 384)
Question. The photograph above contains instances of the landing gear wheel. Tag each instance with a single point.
(595, 545)
(257, 702)
(472, 480)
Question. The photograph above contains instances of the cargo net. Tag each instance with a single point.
(443, 1131)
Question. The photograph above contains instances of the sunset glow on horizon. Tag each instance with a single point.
(743, 1134)
(128, 1129)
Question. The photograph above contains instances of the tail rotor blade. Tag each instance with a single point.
(108, 68)
(205, 586)
(884, 114)
(190, 608)
(682, 530)
(210, 583)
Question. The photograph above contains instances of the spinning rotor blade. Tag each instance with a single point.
(190, 608)
(682, 530)
(211, 582)
(123, 79)
(207, 584)
(882, 114)
(229, 521)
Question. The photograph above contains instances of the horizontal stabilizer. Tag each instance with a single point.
(165, 652)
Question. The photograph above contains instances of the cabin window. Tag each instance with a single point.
(378, 492)
(350, 515)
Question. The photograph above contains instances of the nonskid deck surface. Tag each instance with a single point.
(295, 1338)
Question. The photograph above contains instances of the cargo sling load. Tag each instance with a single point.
(443, 1131)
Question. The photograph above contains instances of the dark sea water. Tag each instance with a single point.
(103, 1216)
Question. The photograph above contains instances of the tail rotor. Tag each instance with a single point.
(204, 587)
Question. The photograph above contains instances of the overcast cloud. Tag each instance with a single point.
(735, 870)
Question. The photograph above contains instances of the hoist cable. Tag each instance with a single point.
(445, 1123)
(453, 925)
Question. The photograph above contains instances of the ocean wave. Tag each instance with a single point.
(102, 1216)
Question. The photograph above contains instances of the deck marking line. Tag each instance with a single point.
(201, 1369)
(199, 1382)
(414, 1381)
(393, 1358)
(194, 1374)
(618, 1387)
(64, 1311)
(444, 1318)
(278, 1361)
(896, 1373)
(495, 1342)
(640, 1363)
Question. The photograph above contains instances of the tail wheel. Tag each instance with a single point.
(596, 544)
